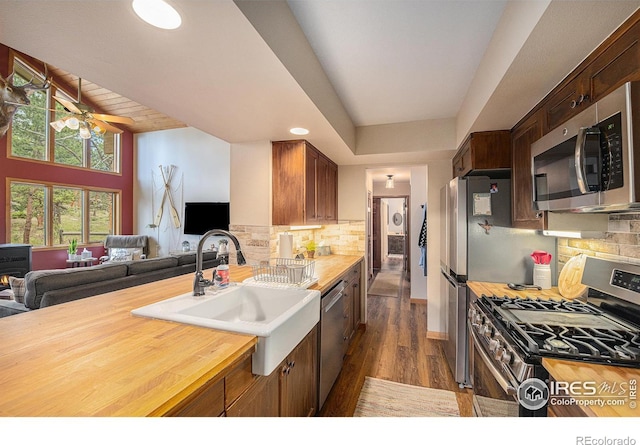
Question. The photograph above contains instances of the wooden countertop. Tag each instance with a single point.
(91, 357)
(603, 376)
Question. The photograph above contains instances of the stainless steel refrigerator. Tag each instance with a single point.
(480, 245)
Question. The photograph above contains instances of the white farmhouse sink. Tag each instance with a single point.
(280, 318)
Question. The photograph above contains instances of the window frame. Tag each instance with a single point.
(49, 158)
(48, 210)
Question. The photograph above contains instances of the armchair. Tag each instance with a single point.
(125, 248)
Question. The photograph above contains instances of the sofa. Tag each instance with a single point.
(56, 286)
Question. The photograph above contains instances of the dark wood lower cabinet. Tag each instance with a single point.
(291, 390)
(260, 400)
(298, 379)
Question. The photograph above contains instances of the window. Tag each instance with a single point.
(33, 138)
(45, 215)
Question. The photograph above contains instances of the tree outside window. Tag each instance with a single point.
(31, 134)
(70, 212)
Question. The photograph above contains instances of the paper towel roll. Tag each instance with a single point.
(286, 246)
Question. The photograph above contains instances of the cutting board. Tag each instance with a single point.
(569, 281)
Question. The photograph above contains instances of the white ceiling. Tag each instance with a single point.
(399, 61)
(243, 71)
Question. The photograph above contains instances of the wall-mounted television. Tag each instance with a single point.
(200, 217)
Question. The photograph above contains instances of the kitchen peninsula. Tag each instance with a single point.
(91, 357)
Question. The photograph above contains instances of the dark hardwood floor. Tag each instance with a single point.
(393, 346)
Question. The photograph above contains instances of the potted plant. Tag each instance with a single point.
(73, 247)
(311, 248)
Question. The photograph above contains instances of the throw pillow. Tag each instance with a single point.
(120, 254)
(18, 287)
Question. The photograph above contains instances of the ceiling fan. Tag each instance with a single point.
(84, 118)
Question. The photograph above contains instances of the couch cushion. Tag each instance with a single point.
(40, 281)
(144, 266)
(190, 258)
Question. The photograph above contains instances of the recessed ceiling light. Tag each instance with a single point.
(299, 131)
(157, 13)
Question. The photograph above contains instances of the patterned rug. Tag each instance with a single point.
(386, 284)
(382, 398)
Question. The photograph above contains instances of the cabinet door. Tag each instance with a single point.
(321, 188)
(331, 194)
(260, 400)
(311, 185)
(347, 301)
(298, 379)
(567, 102)
(355, 290)
(462, 160)
(207, 402)
(288, 182)
(619, 63)
(524, 215)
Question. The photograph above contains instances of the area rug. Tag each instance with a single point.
(382, 398)
(386, 284)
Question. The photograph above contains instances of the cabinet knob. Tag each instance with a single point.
(573, 104)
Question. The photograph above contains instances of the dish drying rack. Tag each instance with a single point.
(284, 272)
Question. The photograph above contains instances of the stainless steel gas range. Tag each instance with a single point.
(510, 336)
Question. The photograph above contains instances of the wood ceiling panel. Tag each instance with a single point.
(110, 102)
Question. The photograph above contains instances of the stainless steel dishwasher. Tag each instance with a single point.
(331, 340)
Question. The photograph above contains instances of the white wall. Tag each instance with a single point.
(419, 185)
(352, 193)
(395, 205)
(202, 173)
(251, 184)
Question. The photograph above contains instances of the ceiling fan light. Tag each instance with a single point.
(58, 125)
(389, 184)
(157, 13)
(85, 132)
(72, 123)
(99, 130)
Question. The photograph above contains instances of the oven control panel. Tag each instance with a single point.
(625, 280)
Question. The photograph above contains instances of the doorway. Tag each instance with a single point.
(391, 252)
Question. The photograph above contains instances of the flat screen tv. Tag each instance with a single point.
(200, 217)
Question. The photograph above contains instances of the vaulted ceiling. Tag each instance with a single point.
(251, 69)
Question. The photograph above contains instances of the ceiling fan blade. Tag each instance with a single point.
(68, 105)
(112, 118)
(105, 125)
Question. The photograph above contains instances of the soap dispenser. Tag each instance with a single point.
(221, 275)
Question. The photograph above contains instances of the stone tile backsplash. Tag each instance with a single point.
(621, 242)
(259, 243)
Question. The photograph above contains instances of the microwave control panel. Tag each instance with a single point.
(611, 152)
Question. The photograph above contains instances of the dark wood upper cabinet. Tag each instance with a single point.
(523, 213)
(305, 185)
(613, 63)
(483, 150)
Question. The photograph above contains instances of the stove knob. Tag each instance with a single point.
(493, 345)
(499, 352)
(506, 357)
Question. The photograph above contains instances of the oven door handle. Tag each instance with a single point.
(506, 386)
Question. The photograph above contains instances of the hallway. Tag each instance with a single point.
(393, 346)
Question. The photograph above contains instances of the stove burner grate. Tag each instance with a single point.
(582, 342)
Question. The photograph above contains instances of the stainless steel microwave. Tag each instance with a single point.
(587, 164)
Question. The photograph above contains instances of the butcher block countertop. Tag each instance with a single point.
(610, 381)
(91, 357)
